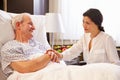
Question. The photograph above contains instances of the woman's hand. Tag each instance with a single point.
(60, 56)
(53, 55)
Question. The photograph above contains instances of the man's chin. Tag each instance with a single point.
(86, 31)
(30, 37)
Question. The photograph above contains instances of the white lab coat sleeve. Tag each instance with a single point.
(74, 51)
(111, 50)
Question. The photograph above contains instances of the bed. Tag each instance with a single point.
(54, 71)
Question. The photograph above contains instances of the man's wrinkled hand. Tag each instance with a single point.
(54, 57)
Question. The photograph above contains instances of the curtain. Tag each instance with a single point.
(72, 11)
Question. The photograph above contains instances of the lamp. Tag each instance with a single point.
(54, 25)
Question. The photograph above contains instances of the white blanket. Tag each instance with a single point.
(54, 71)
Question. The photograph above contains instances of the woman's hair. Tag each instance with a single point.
(18, 18)
(96, 16)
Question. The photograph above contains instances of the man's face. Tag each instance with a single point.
(27, 27)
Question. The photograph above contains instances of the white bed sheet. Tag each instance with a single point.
(99, 71)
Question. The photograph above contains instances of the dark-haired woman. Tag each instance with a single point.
(96, 45)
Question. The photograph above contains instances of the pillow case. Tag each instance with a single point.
(6, 31)
(4, 16)
(40, 30)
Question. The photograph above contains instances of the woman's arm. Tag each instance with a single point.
(73, 51)
(111, 50)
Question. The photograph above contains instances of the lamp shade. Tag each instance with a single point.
(54, 23)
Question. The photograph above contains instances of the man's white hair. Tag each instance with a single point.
(18, 18)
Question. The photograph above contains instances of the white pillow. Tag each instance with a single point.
(40, 31)
(0, 49)
(4, 16)
(6, 31)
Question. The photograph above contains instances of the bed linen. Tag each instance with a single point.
(56, 71)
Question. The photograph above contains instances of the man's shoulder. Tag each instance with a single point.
(9, 44)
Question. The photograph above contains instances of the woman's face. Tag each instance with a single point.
(88, 25)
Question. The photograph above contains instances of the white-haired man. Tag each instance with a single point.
(16, 54)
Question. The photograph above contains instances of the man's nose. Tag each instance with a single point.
(33, 27)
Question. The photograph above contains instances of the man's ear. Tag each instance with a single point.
(17, 25)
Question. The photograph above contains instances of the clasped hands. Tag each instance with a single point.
(54, 55)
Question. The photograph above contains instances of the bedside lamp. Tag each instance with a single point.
(53, 25)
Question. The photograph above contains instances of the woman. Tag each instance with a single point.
(96, 45)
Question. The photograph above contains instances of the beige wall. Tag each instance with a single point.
(54, 6)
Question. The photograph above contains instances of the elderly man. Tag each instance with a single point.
(17, 54)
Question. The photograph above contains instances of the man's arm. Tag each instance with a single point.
(31, 65)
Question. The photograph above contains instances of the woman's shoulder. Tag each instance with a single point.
(105, 35)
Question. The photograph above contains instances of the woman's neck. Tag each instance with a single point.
(94, 34)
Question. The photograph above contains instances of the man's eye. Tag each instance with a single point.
(30, 23)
